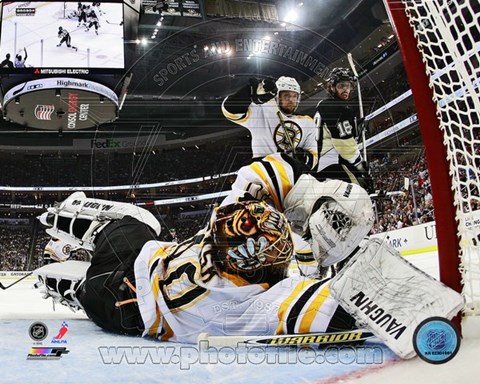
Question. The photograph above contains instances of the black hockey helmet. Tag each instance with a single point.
(340, 74)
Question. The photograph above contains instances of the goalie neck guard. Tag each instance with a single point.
(252, 239)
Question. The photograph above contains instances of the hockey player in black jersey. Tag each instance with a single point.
(82, 15)
(337, 146)
(92, 21)
(65, 38)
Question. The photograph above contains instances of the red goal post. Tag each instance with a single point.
(439, 41)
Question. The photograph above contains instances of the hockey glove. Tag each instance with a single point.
(363, 176)
(362, 125)
(262, 90)
(305, 157)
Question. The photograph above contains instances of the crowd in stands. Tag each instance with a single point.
(14, 247)
(123, 169)
(21, 250)
(22, 247)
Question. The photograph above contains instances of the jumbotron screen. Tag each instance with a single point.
(57, 35)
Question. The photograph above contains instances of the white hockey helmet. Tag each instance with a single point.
(342, 216)
(285, 83)
(57, 250)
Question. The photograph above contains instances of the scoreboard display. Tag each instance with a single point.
(30, 30)
(62, 64)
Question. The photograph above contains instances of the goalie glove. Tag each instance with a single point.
(333, 216)
(262, 90)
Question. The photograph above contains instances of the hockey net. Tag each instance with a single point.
(442, 39)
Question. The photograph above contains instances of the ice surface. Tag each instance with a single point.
(92, 354)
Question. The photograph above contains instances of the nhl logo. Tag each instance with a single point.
(44, 112)
(38, 331)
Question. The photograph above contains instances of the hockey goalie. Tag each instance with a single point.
(232, 277)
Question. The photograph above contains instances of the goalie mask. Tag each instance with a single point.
(252, 239)
(341, 217)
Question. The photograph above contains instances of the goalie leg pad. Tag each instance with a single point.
(63, 282)
(79, 219)
(391, 296)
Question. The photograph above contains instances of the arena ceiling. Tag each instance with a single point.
(179, 78)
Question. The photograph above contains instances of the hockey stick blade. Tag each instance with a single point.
(108, 22)
(322, 339)
(15, 282)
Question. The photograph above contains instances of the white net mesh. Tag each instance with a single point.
(449, 40)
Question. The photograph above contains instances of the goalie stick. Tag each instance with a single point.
(15, 282)
(324, 338)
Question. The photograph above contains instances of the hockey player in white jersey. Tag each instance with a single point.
(267, 109)
(231, 278)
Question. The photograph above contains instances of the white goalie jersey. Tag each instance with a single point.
(273, 131)
(180, 297)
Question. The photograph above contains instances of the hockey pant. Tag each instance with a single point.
(108, 295)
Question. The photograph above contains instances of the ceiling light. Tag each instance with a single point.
(291, 16)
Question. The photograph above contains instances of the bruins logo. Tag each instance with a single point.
(67, 248)
(287, 136)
